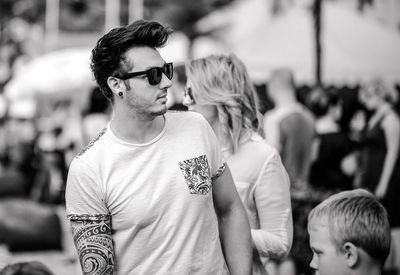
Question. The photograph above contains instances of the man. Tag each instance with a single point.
(290, 128)
(151, 193)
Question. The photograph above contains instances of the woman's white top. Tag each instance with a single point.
(264, 187)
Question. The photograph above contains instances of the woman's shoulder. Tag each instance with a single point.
(183, 116)
(391, 119)
(187, 119)
(259, 147)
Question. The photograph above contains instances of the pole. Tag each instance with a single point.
(112, 14)
(317, 13)
(135, 10)
(52, 24)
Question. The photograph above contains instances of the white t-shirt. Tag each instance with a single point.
(158, 194)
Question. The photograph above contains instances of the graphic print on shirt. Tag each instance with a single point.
(197, 174)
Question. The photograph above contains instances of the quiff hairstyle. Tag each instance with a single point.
(108, 56)
(357, 217)
(223, 81)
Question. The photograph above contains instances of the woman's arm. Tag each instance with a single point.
(391, 128)
(272, 198)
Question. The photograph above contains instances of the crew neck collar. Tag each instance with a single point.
(130, 144)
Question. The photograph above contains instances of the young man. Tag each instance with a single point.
(349, 234)
(151, 194)
(289, 127)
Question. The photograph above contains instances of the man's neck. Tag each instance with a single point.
(134, 128)
(285, 100)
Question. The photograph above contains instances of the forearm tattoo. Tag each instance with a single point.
(92, 237)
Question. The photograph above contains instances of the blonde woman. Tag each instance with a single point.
(380, 152)
(219, 88)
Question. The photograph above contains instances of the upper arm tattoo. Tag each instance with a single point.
(92, 238)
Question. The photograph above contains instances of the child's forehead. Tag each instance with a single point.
(318, 223)
(318, 233)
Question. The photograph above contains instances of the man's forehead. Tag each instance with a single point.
(144, 58)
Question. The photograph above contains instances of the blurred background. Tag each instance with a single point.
(50, 106)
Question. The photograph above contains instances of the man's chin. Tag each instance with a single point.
(162, 110)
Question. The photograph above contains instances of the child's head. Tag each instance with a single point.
(346, 229)
(26, 268)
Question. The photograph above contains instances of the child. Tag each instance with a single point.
(349, 234)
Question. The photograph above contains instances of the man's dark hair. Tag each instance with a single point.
(108, 56)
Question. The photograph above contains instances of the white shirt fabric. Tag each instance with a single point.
(159, 196)
(264, 188)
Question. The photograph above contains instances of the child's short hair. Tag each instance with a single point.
(357, 217)
(26, 268)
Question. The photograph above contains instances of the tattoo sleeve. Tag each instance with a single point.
(92, 238)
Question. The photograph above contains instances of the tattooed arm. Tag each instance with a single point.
(92, 238)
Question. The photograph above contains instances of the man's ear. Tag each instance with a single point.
(351, 254)
(115, 84)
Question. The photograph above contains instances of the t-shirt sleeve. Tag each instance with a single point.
(215, 156)
(83, 195)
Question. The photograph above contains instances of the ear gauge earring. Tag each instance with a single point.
(120, 94)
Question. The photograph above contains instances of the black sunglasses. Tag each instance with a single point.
(154, 75)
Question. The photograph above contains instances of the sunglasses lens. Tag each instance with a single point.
(154, 76)
(169, 70)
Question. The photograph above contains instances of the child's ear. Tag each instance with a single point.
(352, 255)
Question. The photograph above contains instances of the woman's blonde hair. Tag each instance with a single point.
(382, 89)
(223, 81)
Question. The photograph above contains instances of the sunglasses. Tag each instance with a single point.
(154, 75)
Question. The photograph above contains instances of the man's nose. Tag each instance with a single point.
(165, 82)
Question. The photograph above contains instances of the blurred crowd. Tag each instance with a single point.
(39, 137)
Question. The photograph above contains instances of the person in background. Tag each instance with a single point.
(96, 116)
(219, 88)
(330, 171)
(290, 128)
(380, 158)
(151, 194)
(349, 234)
